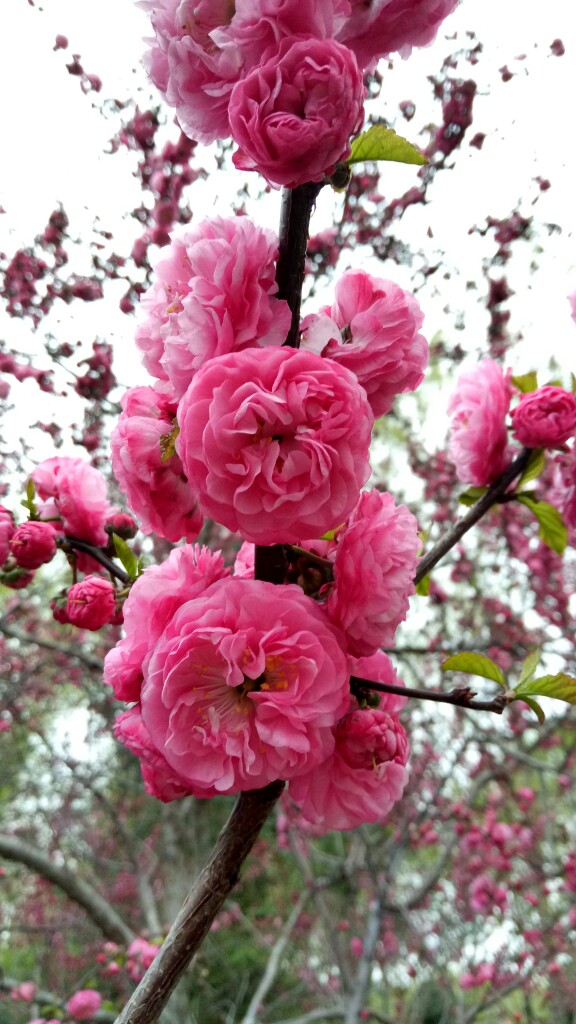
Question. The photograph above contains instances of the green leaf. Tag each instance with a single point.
(382, 143)
(526, 382)
(30, 490)
(470, 497)
(423, 587)
(474, 665)
(552, 530)
(573, 380)
(534, 466)
(529, 666)
(28, 502)
(168, 443)
(535, 708)
(126, 556)
(560, 686)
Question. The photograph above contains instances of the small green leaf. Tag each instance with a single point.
(474, 665)
(470, 497)
(573, 380)
(332, 534)
(552, 530)
(382, 143)
(534, 466)
(126, 556)
(423, 587)
(526, 382)
(535, 707)
(28, 502)
(168, 443)
(560, 686)
(529, 666)
(30, 490)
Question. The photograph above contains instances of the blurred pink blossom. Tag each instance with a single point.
(478, 435)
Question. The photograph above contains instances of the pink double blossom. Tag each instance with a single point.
(563, 492)
(33, 543)
(214, 294)
(372, 329)
(153, 600)
(374, 571)
(77, 492)
(7, 528)
(150, 476)
(141, 954)
(292, 116)
(276, 443)
(85, 1004)
(378, 29)
(160, 780)
(91, 603)
(545, 418)
(244, 686)
(478, 434)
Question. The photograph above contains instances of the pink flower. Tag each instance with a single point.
(293, 115)
(84, 1004)
(374, 571)
(244, 562)
(153, 600)
(276, 442)
(160, 780)
(479, 438)
(244, 686)
(258, 24)
(372, 330)
(572, 301)
(141, 955)
(155, 485)
(376, 30)
(7, 527)
(214, 295)
(91, 603)
(33, 544)
(25, 991)
(379, 669)
(563, 493)
(545, 418)
(79, 497)
(363, 778)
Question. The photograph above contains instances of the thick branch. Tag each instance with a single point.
(98, 909)
(493, 496)
(215, 882)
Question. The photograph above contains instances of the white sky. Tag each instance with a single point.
(54, 141)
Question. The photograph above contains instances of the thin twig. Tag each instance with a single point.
(99, 555)
(462, 696)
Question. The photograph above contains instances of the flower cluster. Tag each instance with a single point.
(282, 78)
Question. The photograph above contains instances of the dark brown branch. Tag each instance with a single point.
(297, 206)
(215, 882)
(462, 696)
(98, 909)
(99, 555)
(493, 496)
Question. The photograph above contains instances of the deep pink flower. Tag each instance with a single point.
(33, 543)
(259, 24)
(379, 669)
(378, 29)
(214, 294)
(372, 329)
(545, 418)
(78, 493)
(276, 442)
(363, 778)
(153, 600)
(7, 527)
(478, 439)
(373, 573)
(91, 603)
(292, 116)
(154, 484)
(84, 1004)
(160, 780)
(244, 686)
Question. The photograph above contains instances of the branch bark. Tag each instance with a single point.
(98, 909)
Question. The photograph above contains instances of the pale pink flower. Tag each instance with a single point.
(259, 24)
(141, 954)
(78, 494)
(478, 435)
(214, 294)
(153, 600)
(372, 329)
(244, 686)
(563, 493)
(378, 29)
(91, 603)
(154, 484)
(374, 572)
(244, 562)
(276, 442)
(293, 115)
(364, 777)
(25, 991)
(7, 527)
(84, 1004)
(572, 301)
(545, 418)
(33, 543)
